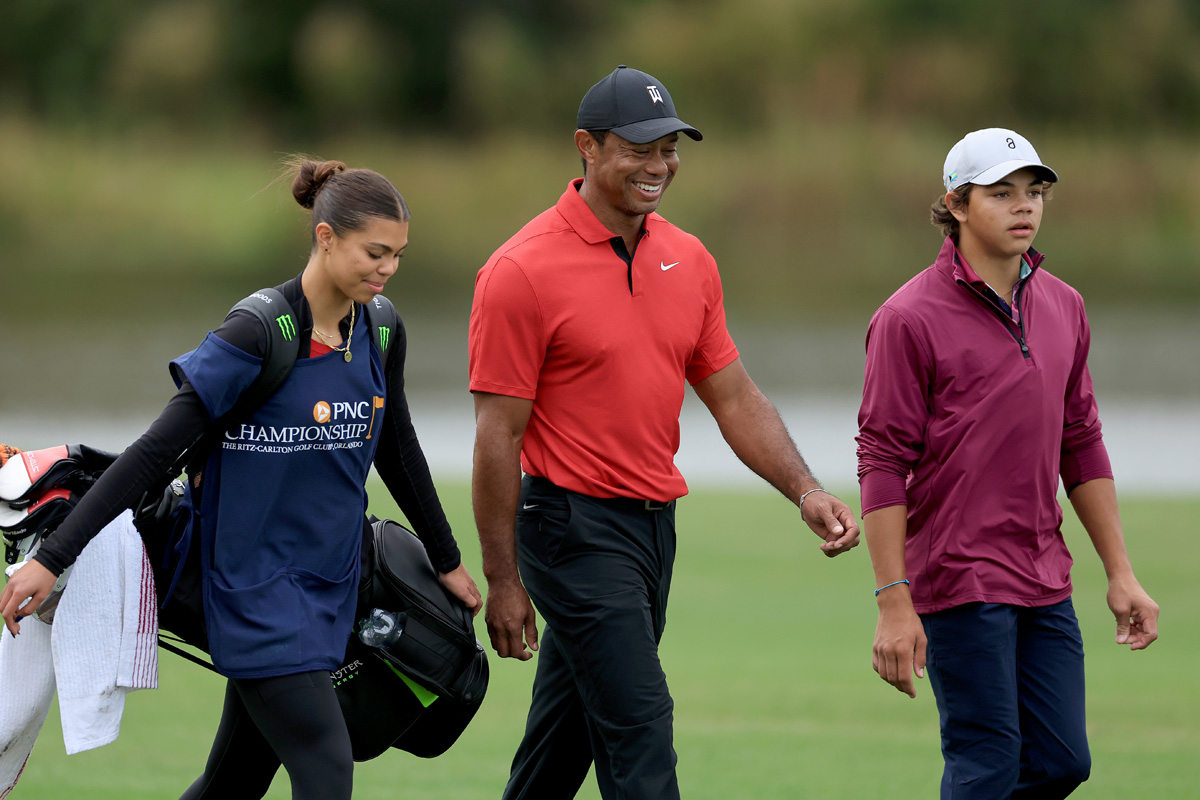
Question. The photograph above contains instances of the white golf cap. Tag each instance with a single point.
(986, 156)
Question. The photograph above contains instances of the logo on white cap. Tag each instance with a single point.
(986, 156)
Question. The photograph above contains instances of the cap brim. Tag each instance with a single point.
(649, 130)
(1000, 171)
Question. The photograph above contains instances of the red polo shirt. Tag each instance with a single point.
(556, 321)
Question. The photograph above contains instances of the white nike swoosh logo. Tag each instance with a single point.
(666, 267)
(529, 505)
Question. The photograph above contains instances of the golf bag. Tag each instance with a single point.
(39, 488)
(418, 693)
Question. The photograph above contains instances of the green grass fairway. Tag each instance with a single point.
(768, 653)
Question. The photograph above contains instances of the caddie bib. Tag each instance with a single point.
(282, 507)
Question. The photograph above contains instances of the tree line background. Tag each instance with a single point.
(139, 140)
(301, 70)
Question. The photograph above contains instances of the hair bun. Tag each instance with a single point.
(311, 177)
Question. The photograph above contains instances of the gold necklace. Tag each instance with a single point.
(344, 348)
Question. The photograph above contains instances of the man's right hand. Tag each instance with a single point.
(510, 619)
(899, 649)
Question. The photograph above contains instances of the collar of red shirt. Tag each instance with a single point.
(577, 214)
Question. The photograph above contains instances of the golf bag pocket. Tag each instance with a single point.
(429, 653)
(169, 527)
(420, 688)
(438, 642)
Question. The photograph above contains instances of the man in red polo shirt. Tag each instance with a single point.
(585, 327)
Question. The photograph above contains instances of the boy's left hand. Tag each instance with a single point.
(1136, 613)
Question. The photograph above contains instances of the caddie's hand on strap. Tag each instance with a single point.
(460, 584)
(831, 519)
(31, 582)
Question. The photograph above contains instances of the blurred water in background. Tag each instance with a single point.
(104, 388)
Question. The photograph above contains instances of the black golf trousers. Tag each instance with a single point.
(292, 720)
(599, 571)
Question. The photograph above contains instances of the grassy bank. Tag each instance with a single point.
(810, 219)
(768, 655)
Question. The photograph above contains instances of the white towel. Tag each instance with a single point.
(103, 644)
(28, 689)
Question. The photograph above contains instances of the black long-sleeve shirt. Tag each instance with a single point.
(398, 457)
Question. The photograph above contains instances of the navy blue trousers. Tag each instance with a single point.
(599, 571)
(1010, 694)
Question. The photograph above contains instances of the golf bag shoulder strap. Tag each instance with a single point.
(283, 342)
(283, 346)
(279, 322)
(278, 319)
(384, 323)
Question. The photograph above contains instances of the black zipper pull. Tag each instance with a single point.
(1024, 347)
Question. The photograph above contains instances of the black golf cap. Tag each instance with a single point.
(634, 106)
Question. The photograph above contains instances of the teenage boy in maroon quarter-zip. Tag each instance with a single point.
(976, 401)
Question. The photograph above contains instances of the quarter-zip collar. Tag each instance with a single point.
(952, 263)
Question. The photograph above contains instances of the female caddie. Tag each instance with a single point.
(282, 524)
(977, 401)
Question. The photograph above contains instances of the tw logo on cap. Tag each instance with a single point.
(655, 94)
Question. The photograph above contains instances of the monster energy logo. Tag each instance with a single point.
(384, 333)
(286, 326)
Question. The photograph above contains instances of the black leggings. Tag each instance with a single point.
(294, 720)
